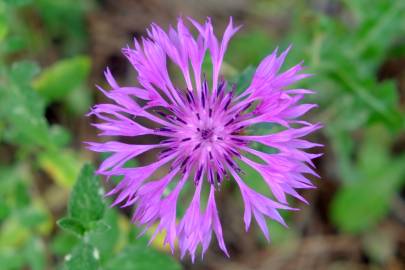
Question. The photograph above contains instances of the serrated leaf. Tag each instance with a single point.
(58, 80)
(138, 257)
(99, 226)
(83, 257)
(106, 243)
(71, 225)
(86, 200)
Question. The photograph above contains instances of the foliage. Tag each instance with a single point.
(41, 158)
(88, 221)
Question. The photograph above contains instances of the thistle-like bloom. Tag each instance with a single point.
(203, 128)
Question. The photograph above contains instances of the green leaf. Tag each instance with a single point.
(24, 71)
(4, 210)
(71, 225)
(21, 109)
(244, 79)
(86, 200)
(32, 217)
(18, 3)
(83, 257)
(61, 165)
(58, 80)
(3, 28)
(13, 44)
(376, 29)
(357, 207)
(138, 257)
(361, 204)
(365, 91)
(63, 242)
(10, 259)
(106, 243)
(35, 254)
(65, 20)
(257, 43)
(60, 135)
(13, 233)
(343, 146)
(99, 226)
(79, 100)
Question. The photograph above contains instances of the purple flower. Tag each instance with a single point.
(205, 135)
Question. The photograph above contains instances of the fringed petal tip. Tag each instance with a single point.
(203, 131)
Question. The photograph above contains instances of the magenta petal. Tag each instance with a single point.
(203, 130)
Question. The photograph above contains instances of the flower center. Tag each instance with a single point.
(203, 135)
(207, 134)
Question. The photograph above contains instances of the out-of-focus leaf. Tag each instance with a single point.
(58, 80)
(244, 79)
(343, 146)
(365, 91)
(79, 100)
(13, 191)
(137, 257)
(362, 203)
(257, 43)
(31, 217)
(377, 28)
(63, 242)
(35, 254)
(62, 165)
(3, 27)
(60, 136)
(10, 259)
(22, 197)
(254, 179)
(86, 200)
(72, 225)
(83, 257)
(387, 93)
(13, 233)
(13, 44)
(35, 217)
(24, 71)
(22, 109)
(280, 234)
(18, 3)
(65, 20)
(357, 207)
(4, 210)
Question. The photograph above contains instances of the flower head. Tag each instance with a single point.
(204, 135)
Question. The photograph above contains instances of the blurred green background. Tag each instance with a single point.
(52, 212)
